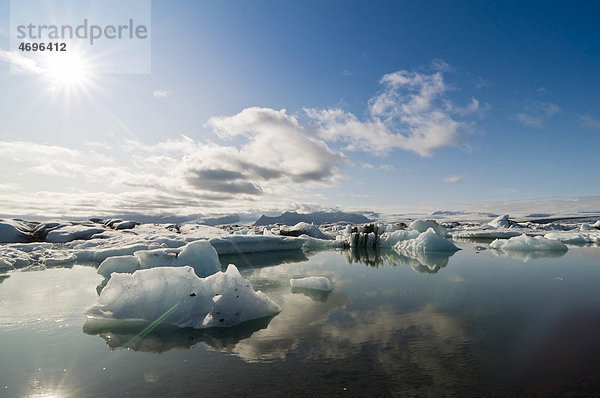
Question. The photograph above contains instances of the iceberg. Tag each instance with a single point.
(200, 255)
(21, 255)
(124, 264)
(304, 228)
(15, 231)
(175, 295)
(575, 238)
(427, 242)
(313, 282)
(424, 225)
(235, 244)
(93, 253)
(501, 222)
(528, 243)
(389, 239)
(69, 233)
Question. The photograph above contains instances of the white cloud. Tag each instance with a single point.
(537, 114)
(453, 179)
(161, 93)
(266, 158)
(278, 147)
(480, 83)
(21, 62)
(589, 122)
(412, 113)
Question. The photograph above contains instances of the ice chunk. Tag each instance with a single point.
(501, 222)
(199, 254)
(312, 282)
(15, 231)
(389, 239)
(5, 265)
(320, 244)
(575, 238)
(53, 258)
(482, 233)
(586, 227)
(177, 296)
(424, 225)
(127, 264)
(235, 244)
(98, 254)
(528, 243)
(21, 255)
(72, 232)
(304, 228)
(426, 242)
(125, 225)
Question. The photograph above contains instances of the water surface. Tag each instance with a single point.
(477, 323)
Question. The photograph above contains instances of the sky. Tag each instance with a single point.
(267, 106)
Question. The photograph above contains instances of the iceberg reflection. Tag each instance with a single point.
(131, 334)
(526, 256)
(429, 263)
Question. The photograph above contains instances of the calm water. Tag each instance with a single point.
(470, 325)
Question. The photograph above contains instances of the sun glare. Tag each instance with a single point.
(68, 70)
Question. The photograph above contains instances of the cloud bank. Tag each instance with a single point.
(260, 157)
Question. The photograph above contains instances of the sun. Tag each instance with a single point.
(67, 70)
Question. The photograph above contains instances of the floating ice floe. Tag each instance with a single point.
(178, 297)
(426, 242)
(22, 255)
(304, 228)
(319, 244)
(15, 231)
(69, 233)
(234, 244)
(528, 243)
(389, 239)
(313, 283)
(501, 222)
(90, 251)
(575, 238)
(200, 255)
(424, 225)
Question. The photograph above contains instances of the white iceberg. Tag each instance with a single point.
(483, 233)
(426, 242)
(178, 297)
(14, 231)
(389, 239)
(236, 244)
(501, 222)
(304, 228)
(424, 225)
(21, 255)
(90, 251)
(69, 233)
(587, 227)
(200, 255)
(528, 243)
(124, 264)
(313, 283)
(575, 238)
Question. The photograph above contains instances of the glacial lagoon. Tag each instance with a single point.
(478, 322)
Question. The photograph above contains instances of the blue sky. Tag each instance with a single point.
(271, 105)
